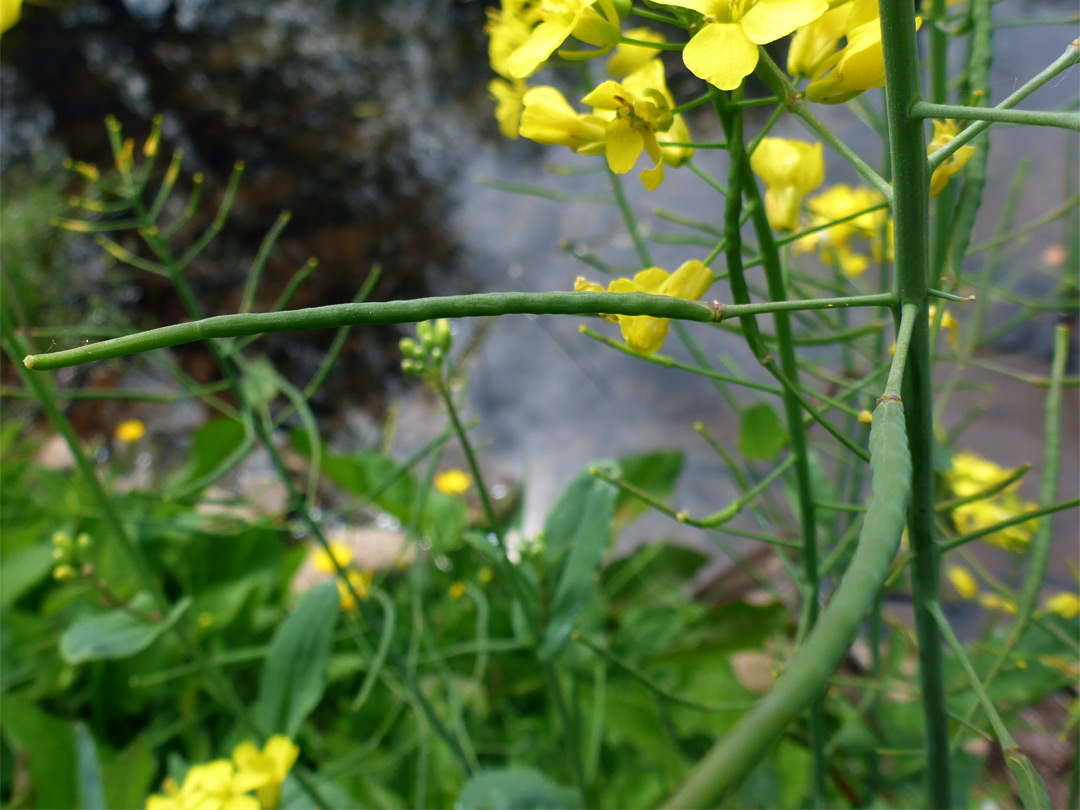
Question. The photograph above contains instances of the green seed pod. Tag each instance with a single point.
(442, 334)
(807, 673)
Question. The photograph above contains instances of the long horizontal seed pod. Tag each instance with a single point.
(806, 674)
(422, 309)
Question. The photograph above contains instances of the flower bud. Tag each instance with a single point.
(65, 573)
(62, 540)
(442, 334)
(83, 541)
(409, 348)
(424, 333)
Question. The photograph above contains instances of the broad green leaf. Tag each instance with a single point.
(117, 633)
(260, 382)
(211, 445)
(129, 775)
(761, 434)
(514, 789)
(91, 782)
(23, 570)
(1033, 793)
(576, 536)
(49, 745)
(294, 673)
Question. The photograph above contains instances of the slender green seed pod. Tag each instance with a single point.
(807, 673)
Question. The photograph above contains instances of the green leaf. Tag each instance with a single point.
(260, 382)
(1033, 793)
(761, 434)
(117, 633)
(91, 782)
(129, 775)
(294, 674)
(210, 446)
(49, 746)
(514, 789)
(23, 570)
(576, 536)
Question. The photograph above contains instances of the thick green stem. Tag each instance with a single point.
(911, 176)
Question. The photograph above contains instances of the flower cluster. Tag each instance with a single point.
(790, 170)
(227, 784)
(848, 246)
(972, 474)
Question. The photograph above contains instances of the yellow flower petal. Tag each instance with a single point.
(323, 562)
(1065, 605)
(768, 20)
(628, 58)
(963, 581)
(623, 145)
(721, 54)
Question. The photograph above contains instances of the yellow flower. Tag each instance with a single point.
(325, 564)
(945, 131)
(643, 333)
(791, 170)
(130, 431)
(264, 771)
(627, 59)
(724, 50)
(948, 323)
(361, 583)
(212, 785)
(509, 101)
(548, 118)
(971, 474)
(859, 65)
(646, 82)
(991, 601)
(457, 590)
(816, 42)
(633, 127)
(963, 581)
(866, 417)
(453, 482)
(560, 19)
(835, 242)
(508, 28)
(1065, 605)
(10, 10)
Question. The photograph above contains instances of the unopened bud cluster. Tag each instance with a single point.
(70, 556)
(424, 356)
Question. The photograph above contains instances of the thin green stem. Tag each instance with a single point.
(1060, 65)
(1042, 118)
